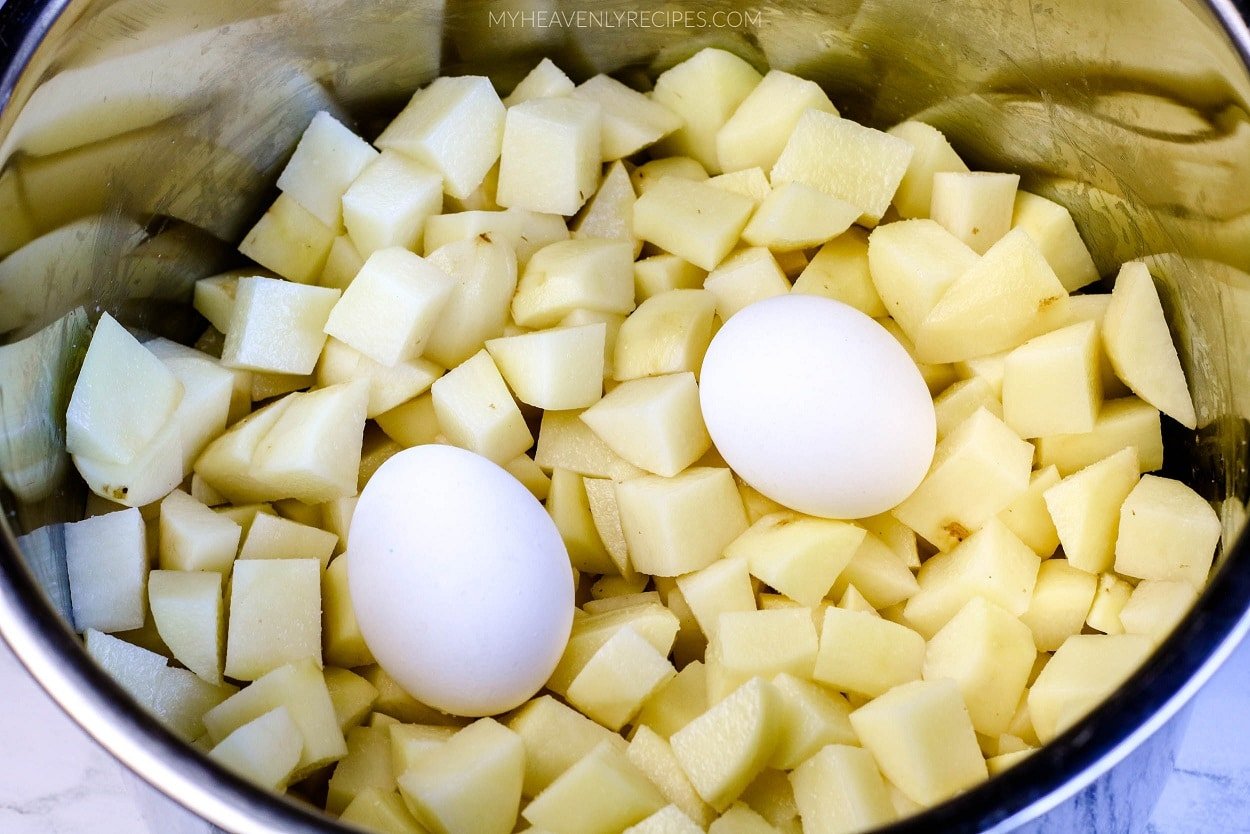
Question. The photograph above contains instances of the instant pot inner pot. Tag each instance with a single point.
(142, 138)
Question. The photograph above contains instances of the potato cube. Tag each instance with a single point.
(342, 641)
(291, 241)
(555, 737)
(1110, 598)
(601, 793)
(1061, 600)
(645, 176)
(749, 182)
(631, 121)
(730, 744)
(265, 751)
(1085, 670)
(798, 555)
(695, 221)
(931, 155)
(609, 215)
(341, 266)
(1085, 507)
(275, 616)
(1051, 383)
(996, 304)
(1156, 606)
(1121, 423)
(556, 369)
(812, 717)
(122, 398)
(667, 820)
(410, 742)
(551, 157)
(311, 452)
(188, 613)
(677, 702)
(1051, 226)
(618, 679)
(276, 326)
(705, 91)
(1028, 516)
(667, 334)
(865, 654)
(390, 308)
(271, 537)
(476, 411)
(107, 562)
(756, 133)
(846, 160)
(194, 538)
(485, 275)
(912, 264)
(743, 278)
(652, 621)
(740, 819)
(568, 504)
(922, 739)
(961, 400)
(1167, 531)
(565, 442)
(975, 207)
(654, 757)
(455, 126)
(680, 524)
(1093, 307)
(366, 765)
(328, 158)
(395, 703)
(877, 573)
(388, 204)
(388, 387)
(840, 271)
(411, 423)
(723, 586)
(798, 216)
(840, 789)
(654, 423)
(1140, 348)
(373, 810)
(990, 369)
(978, 469)
(606, 517)
(301, 689)
(571, 275)
(208, 390)
(531, 476)
(214, 299)
(766, 643)
(545, 80)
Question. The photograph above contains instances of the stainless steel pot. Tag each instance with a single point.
(142, 136)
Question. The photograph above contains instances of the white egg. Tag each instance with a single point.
(818, 407)
(460, 581)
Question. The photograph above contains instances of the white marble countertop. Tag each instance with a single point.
(54, 780)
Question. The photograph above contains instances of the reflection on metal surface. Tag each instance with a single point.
(144, 136)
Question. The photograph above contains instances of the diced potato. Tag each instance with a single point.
(1051, 383)
(998, 303)
(721, 587)
(989, 654)
(745, 277)
(812, 717)
(389, 310)
(300, 688)
(817, 154)
(187, 609)
(766, 643)
(1121, 423)
(226, 464)
(366, 765)
(618, 679)
(645, 176)
(386, 813)
(456, 126)
(551, 158)
(865, 654)
(978, 469)
(695, 221)
(653, 756)
(757, 503)
(661, 273)
(631, 121)
(1167, 531)
(565, 442)
(476, 411)
(840, 271)
(586, 274)
(265, 751)
(931, 154)
(756, 133)
(410, 742)
(1051, 226)
(677, 702)
(555, 737)
(569, 507)
(122, 398)
(342, 264)
(208, 390)
(1140, 348)
(680, 524)
(606, 517)
(136, 670)
(798, 216)
(667, 820)
(990, 369)
(389, 203)
(558, 369)
(275, 616)
(485, 275)
(1084, 671)
(276, 326)
(1156, 606)
(1093, 307)
(705, 91)
(654, 622)
(992, 563)
(180, 699)
(601, 793)
(214, 299)
(876, 572)
(1085, 507)
(912, 264)
(326, 161)
(472, 783)
(961, 400)
(772, 797)
(1004, 761)
(975, 207)
(271, 537)
(1061, 600)
(937, 377)
(730, 744)
(839, 790)
(290, 240)
(545, 80)
(609, 215)
(900, 538)
(266, 386)
(740, 819)
(1028, 516)
(1111, 596)
(922, 739)
(351, 695)
(667, 334)
(107, 562)
(412, 423)
(531, 476)
(194, 538)
(798, 555)
(524, 230)
(389, 387)
(749, 182)
(394, 702)
(654, 423)
(342, 641)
